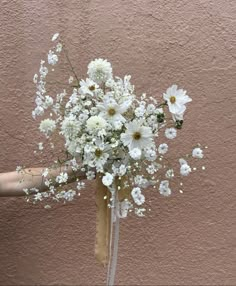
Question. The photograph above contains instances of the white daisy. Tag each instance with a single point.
(137, 135)
(52, 58)
(88, 86)
(176, 99)
(99, 70)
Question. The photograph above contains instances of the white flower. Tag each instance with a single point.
(59, 47)
(135, 192)
(176, 99)
(139, 200)
(111, 110)
(47, 126)
(140, 212)
(90, 175)
(137, 135)
(135, 153)
(70, 80)
(163, 148)
(137, 196)
(185, 169)
(150, 154)
(48, 101)
(62, 178)
(140, 111)
(151, 108)
(170, 133)
(52, 58)
(169, 174)
(55, 36)
(99, 70)
(151, 169)
(164, 188)
(40, 145)
(88, 86)
(45, 172)
(107, 179)
(70, 126)
(35, 79)
(96, 123)
(197, 153)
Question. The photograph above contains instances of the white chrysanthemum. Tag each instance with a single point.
(170, 133)
(197, 153)
(52, 58)
(107, 179)
(135, 153)
(88, 86)
(164, 188)
(137, 135)
(111, 110)
(185, 169)
(95, 123)
(47, 126)
(176, 99)
(99, 70)
(163, 148)
(70, 126)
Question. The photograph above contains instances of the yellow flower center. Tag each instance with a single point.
(136, 135)
(172, 99)
(92, 87)
(98, 153)
(111, 111)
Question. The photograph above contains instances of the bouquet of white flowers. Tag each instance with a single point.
(111, 134)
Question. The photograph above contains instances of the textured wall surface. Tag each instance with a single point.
(189, 238)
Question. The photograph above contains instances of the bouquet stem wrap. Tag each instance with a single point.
(109, 212)
(103, 222)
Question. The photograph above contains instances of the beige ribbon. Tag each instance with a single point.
(103, 222)
(103, 218)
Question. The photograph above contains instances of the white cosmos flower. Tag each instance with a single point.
(99, 70)
(88, 86)
(47, 126)
(197, 153)
(176, 99)
(137, 135)
(111, 110)
(96, 123)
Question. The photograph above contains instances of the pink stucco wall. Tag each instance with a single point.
(189, 238)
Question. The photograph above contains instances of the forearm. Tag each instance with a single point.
(13, 183)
